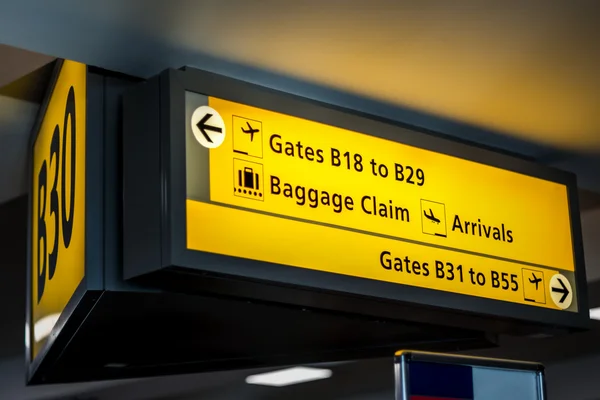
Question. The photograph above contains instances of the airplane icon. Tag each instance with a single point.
(535, 280)
(251, 131)
(431, 217)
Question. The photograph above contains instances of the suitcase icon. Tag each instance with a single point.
(248, 179)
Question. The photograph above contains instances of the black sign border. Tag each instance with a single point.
(303, 287)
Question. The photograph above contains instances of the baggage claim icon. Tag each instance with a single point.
(208, 127)
(248, 179)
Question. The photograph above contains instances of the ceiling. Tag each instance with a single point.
(525, 69)
(520, 76)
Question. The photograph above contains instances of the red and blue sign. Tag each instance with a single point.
(439, 381)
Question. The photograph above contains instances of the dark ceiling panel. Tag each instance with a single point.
(13, 250)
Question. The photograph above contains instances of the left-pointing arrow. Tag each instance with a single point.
(204, 127)
(208, 127)
(562, 290)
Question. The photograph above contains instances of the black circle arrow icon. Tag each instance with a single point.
(203, 127)
(563, 290)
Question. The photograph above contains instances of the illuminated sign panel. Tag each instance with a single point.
(58, 202)
(295, 192)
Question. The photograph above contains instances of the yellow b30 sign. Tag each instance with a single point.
(296, 192)
(58, 202)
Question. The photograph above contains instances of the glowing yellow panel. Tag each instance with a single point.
(300, 193)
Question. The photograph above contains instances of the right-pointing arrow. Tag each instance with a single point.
(563, 290)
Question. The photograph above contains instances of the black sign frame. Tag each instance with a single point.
(154, 219)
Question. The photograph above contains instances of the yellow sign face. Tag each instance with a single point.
(58, 203)
(299, 193)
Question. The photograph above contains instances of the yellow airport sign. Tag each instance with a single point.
(295, 192)
(58, 202)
